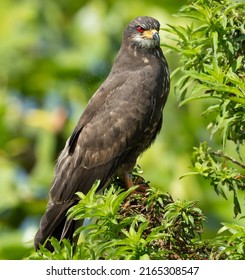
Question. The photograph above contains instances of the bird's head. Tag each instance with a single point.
(143, 32)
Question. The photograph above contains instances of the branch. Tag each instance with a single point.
(220, 154)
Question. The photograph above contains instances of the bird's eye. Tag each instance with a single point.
(140, 29)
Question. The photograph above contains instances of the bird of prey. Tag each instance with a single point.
(121, 120)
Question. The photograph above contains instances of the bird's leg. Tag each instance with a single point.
(128, 180)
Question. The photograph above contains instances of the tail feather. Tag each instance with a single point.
(55, 223)
(63, 196)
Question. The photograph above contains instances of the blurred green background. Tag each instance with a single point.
(53, 56)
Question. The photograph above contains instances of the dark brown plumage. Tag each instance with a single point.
(120, 121)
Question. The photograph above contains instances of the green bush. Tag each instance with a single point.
(129, 225)
(212, 55)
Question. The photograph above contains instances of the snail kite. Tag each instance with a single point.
(120, 121)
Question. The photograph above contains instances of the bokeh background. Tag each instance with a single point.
(53, 56)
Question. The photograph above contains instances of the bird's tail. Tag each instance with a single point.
(55, 223)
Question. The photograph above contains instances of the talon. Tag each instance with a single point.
(142, 188)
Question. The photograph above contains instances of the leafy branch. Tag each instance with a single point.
(212, 64)
(212, 56)
(222, 155)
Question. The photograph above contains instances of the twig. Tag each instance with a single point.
(220, 154)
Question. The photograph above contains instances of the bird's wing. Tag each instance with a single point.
(107, 131)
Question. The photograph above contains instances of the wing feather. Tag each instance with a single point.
(109, 127)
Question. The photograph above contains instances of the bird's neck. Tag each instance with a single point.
(138, 57)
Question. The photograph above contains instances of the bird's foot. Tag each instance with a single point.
(130, 180)
(141, 183)
(142, 188)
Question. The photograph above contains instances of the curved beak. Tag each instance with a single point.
(152, 34)
(155, 36)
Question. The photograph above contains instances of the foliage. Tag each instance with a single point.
(131, 225)
(230, 246)
(221, 177)
(212, 55)
(212, 58)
